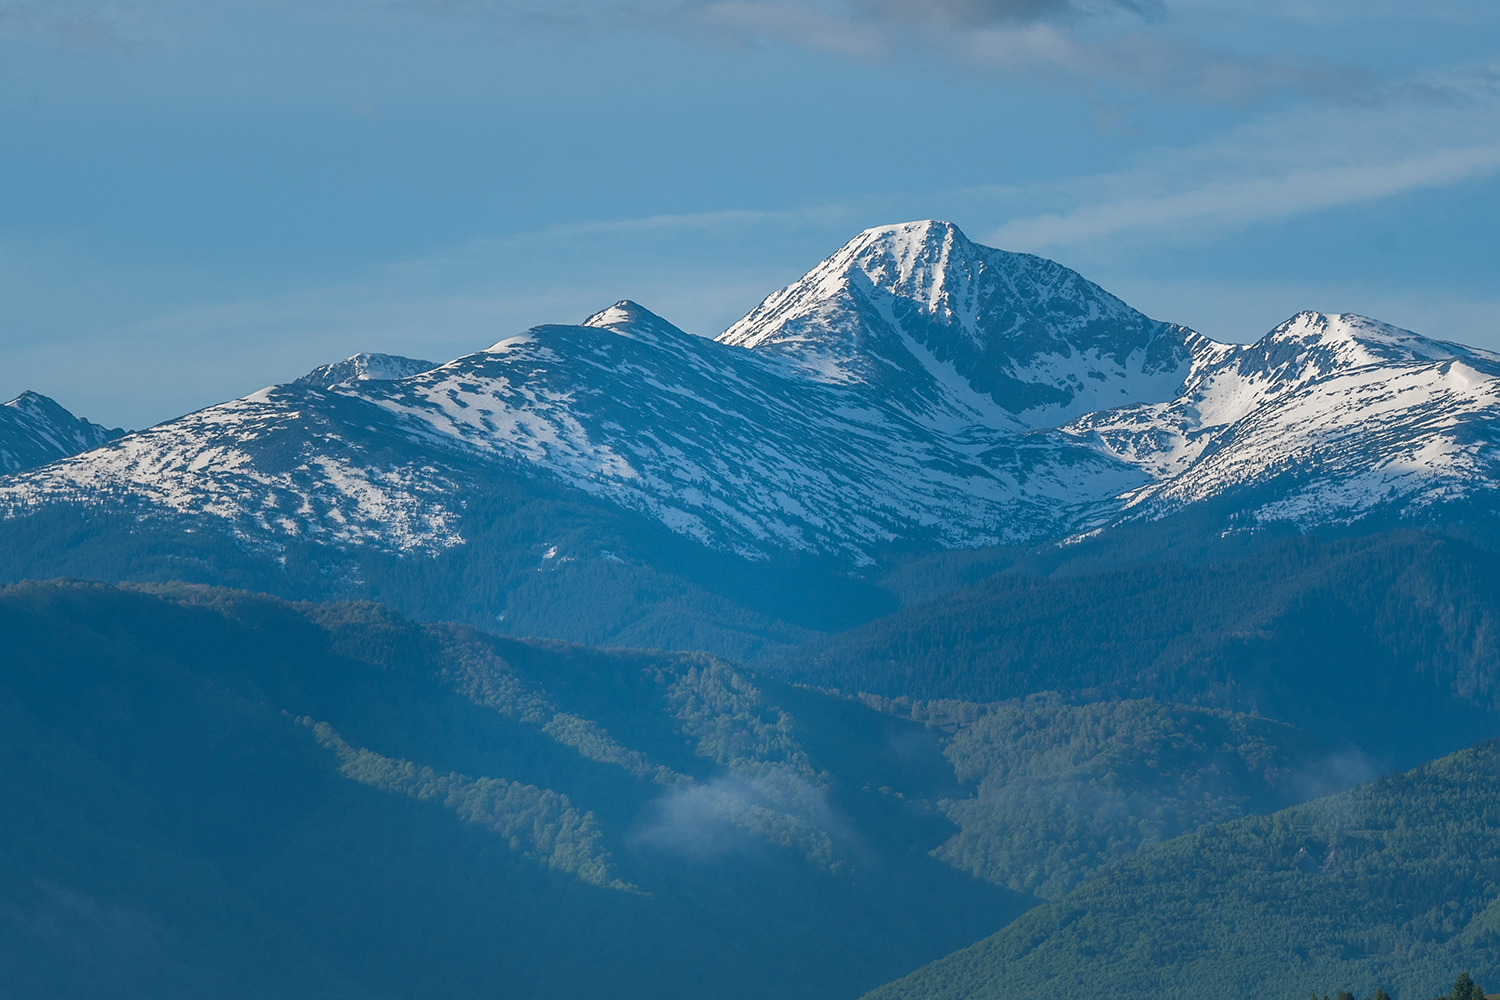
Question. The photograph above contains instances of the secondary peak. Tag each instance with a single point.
(632, 320)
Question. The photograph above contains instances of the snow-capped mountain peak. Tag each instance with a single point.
(1330, 341)
(633, 320)
(920, 311)
(1325, 399)
(35, 429)
(1229, 381)
(914, 388)
(364, 368)
(38, 407)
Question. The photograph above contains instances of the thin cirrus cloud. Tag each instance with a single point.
(1222, 203)
(800, 25)
(1062, 40)
(72, 24)
(1151, 63)
(979, 13)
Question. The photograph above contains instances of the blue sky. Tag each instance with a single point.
(197, 200)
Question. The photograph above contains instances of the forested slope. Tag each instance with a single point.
(1395, 885)
(1062, 791)
(214, 793)
(1389, 642)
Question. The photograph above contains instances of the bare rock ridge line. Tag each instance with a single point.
(915, 388)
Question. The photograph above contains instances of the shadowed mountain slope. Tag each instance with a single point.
(1387, 642)
(212, 793)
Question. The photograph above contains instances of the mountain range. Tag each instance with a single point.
(942, 599)
(914, 395)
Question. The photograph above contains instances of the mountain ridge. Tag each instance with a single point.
(915, 393)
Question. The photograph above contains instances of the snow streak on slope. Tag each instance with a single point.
(35, 430)
(734, 449)
(1341, 413)
(278, 463)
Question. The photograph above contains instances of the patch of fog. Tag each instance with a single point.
(740, 812)
(1337, 772)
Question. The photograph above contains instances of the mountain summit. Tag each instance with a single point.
(1324, 419)
(35, 429)
(633, 320)
(363, 368)
(918, 310)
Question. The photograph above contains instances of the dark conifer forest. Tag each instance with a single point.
(213, 791)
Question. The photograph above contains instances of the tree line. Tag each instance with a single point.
(1464, 988)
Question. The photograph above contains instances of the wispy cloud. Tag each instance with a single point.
(1237, 202)
(866, 29)
(798, 24)
(768, 804)
(1096, 42)
(80, 25)
(979, 13)
(1153, 63)
(1109, 43)
(671, 226)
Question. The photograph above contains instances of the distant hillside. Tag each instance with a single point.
(1389, 642)
(538, 560)
(1393, 885)
(1061, 791)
